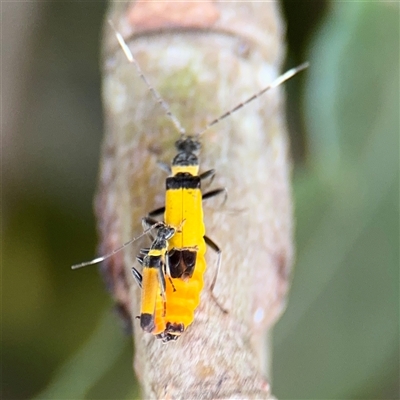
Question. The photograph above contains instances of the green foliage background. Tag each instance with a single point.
(339, 338)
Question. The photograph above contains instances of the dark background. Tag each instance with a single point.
(339, 338)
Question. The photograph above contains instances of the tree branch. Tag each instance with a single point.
(203, 58)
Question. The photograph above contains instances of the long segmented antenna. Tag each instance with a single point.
(278, 81)
(102, 258)
(153, 91)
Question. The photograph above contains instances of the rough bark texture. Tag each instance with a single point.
(203, 58)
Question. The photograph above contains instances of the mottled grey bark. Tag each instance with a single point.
(203, 58)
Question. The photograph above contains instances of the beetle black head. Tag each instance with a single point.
(187, 148)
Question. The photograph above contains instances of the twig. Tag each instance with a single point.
(203, 58)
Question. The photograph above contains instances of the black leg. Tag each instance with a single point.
(164, 166)
(216, 248)
(148, 222)
(208, 174)
(157, 212)
(138, 276)
(216, 192)
(140, 259)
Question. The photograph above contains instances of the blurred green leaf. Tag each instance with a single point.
(354, 65)
(77, 376)
(341, 325)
